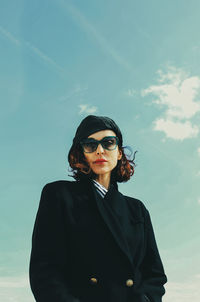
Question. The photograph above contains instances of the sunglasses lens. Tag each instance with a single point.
(108, 143)
(89, 147)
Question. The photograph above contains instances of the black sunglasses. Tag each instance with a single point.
(90, 145)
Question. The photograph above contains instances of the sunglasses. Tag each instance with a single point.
(90, 145)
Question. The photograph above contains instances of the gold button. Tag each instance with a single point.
(129, 282)
(93, 280)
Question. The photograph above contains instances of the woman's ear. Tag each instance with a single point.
(119, 154)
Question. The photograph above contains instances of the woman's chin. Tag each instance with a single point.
(101, 171)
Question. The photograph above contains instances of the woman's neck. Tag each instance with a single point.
(104, 180)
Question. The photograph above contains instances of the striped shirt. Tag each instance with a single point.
(100, 188)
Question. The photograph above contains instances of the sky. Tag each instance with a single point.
(134, 61)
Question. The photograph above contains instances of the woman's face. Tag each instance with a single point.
(111, 156)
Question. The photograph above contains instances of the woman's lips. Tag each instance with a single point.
(100, 161)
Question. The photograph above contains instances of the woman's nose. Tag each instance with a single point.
(100, 148)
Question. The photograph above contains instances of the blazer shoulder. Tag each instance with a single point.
(59, 192)
(59, 184)
(137, 205)
(60, 188)
(134, 201)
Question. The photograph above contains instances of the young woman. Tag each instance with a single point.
(90, 242)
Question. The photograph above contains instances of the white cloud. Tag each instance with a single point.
(15, 289)
(85, 108)
(183, 291)
(198, 150)
(179, 99)
(172, 75)
(14, 282)
(177, 94)
(176, 130)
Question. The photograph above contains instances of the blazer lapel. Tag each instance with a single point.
(112, 208)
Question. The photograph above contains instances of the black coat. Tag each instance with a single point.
(89, 249)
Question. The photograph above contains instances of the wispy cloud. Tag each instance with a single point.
(183, 291)
(130, 92)
(90, 30)
(14, 282)
(198, 150)
(177, 93)
(15, 289)
(77, 91)
(85, 108)
(31, 47)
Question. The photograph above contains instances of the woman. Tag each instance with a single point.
(90, 242)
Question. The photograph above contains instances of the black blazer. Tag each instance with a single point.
(86, 248)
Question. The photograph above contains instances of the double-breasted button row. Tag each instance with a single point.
(129, 282)
(93, 280)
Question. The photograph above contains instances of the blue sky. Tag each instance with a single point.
(134, 61)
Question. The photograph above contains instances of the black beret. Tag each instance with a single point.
(91, 124)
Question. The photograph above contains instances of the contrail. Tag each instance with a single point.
(31, 47)
(43, 56)
(9, 36)
(91, 30)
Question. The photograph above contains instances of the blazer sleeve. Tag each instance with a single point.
(153, 274)
(48, 261)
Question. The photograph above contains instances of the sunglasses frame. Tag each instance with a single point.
(87, 140)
